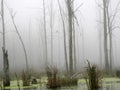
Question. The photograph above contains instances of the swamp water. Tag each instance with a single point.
(105, 86)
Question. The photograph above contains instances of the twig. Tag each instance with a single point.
(18, 84)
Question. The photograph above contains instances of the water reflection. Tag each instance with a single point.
(28, 89)
(112, 86)
(108, 87)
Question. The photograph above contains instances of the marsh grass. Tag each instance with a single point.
(25, 78)
(68, 81)
(18, 83)
(53, 80)
(1, 84)
(93, 77)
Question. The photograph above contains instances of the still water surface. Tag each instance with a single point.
(108, 86)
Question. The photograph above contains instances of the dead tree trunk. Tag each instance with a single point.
(105, 35)
(25, 52)
(74, 45)
(100, 35)
(44, 10)
(111, 52)
(70, 27)
(64, 36)
(109, 26)
(51, 27)
(6, 79)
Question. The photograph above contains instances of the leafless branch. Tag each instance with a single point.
(99, 21)
(10, 32)
(78, 7)
(1, 33)
(115, 13)
(0, 14)
(72, 1)
(63, 23)
(18, 84)
(99, 5)
(114, 28)
(10, 10)
(21, 40)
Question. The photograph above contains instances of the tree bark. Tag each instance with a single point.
(64, 36)
(70, 26)
(6, 79)
(21, 40)
(51, 27)
(74, 46)
(44, 10)
(105, 36)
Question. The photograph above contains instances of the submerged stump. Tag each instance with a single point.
(34, 81)
(6, 78)
(53, 81)
(25, 78)
(93, 76)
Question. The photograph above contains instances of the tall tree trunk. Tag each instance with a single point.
(51, 26)
(100, 35)
(70, 26)
(111, 27)
(83, 45)
(21, 40)
(74, 40)
(44, 12)
(105, 36)
(30, 51)
(64, 36)
(6, 79)
(100, 47)
(74, 46)
(111, 52)
(110, 41)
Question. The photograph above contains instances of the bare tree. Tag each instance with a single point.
(71, 33)
(64, 36)
(18, 83)
(100, 34)
(44, 13)
(105, 35)
(74, 41)
(21, 40)
(111, 26)
(70, 26)
(108, 26)
(6, 78)
(51, 27)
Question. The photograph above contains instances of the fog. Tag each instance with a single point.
(28, 16)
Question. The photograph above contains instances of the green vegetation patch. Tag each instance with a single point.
(42, 82)
(105, 80)
(81, 81)
(111, 79)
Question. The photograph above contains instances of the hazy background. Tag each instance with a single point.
(29, 20)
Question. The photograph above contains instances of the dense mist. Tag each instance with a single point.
(29, 19)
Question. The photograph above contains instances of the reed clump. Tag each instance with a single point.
(93, 77)
(53, 80)
(25, 78)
